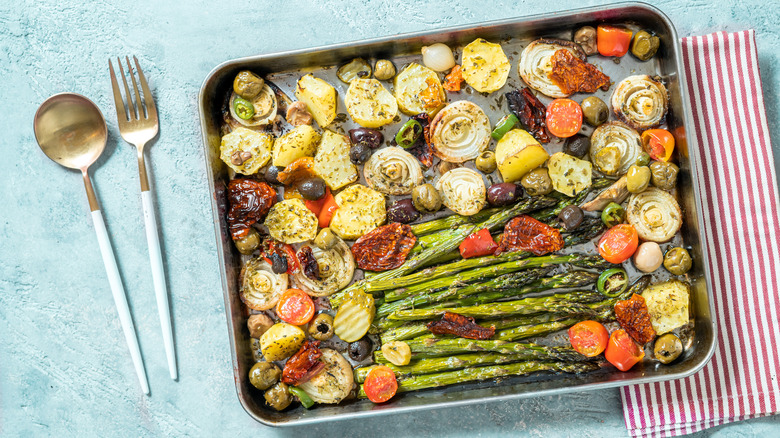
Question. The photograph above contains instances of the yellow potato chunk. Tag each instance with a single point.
(369, 103)
(319, 97)
(517, 153)
(332, 161)
(361, 209)
(300, 141)
(485, 66)
(569, 175)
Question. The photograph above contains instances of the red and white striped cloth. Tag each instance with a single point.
(740, 211)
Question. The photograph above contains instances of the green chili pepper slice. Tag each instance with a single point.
(613, 214)
(613, 282)
(304, 398)
(243, 108)
(408, 134)
(503, 126)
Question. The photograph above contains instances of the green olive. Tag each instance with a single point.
(358, 68)
(678, 261)
(664, 174)
(426, 198)
(325, 239)
(607, 160)
(643, 159)
(384, 70)
(486, 162)
(667, 348)
(263, 375)
(594, 111)
(278, 397)
(247, 84)
(637, 179)
(321, 327)
(645, 45)
(249, 243)
(537, 182)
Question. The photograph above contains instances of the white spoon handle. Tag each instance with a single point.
(158, 276)
(119, 298)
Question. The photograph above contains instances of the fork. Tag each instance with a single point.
(138, 124)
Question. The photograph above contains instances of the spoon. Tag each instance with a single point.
(71, 131)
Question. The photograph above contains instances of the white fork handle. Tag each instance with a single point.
(119, 298)
(158, 276)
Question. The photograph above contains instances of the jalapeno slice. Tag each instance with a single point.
(304, 398)
(613, 214)
(613, 282)
(243, 108)
(504, 125)
(408, 134)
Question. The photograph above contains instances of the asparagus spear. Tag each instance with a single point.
(450, 222)
(434, 347)
(488, 372)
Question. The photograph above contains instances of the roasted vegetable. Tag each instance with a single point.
(332, 161)
(678, 261)
(397, 353)
(370, 137)
(247, 84)
(530, 111)
(303, 364)
(613, 214)
(426, 198)
(409, 133)
(524, 233)
(369, 103)
(517, 154)
(354, 316)
(384, 248)
(634, 317)
(335, 268)
(300, 141)
(485, 66)
(312, 188)
(290, 221)
(655, 214)
(594, 111)
(614, 147)
(664, 174)
(438, 57)
(640, 101)
(667, 348)
(589, 338)
(574, 75)
(258, 324)
(637, 179)
(459, 132)
(586, 38)
(281, 341)
(569, 175)
(319, 97)
(249, 201)
(461, 326)
(358, 68)
(418, 90)
(393, 171)
(613, 282)
(536, 64)
(648, 257)
(462, 190)
(617, 193)
(264, 375)
(278, 397)
(613, 40)
(537, 182)
(454, 79)
(297, 114)
(380, 385)
(563, 118)
(384, 70)
(668, 304)
(622, 351)
(321, 327)
(478, 244)
(618, 244)
(360, 210)
(645, 45)
(260, 287)
(359, 153)
(658, 143)
(246, 151)
(255, 111)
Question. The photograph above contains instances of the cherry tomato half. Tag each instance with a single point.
(380, 385)
(613, 41)
(622, 351)
(564, 118)
(619, 243)
(658, 143)
(295, 307)
(589, 338)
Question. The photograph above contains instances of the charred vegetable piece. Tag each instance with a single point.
(571, 217)
(524, 233)
(360, 349)
(380, 385)
(655, 214)
(308, 263)
(402, 211)
(249, 201)
(613, 282)
(645, 45)
(303, 365)
(485, 65)
(586, 38)
(594, 111)
(577, 145)
(302, 397)
(667, 348)
(393, 171)
(530, 112)
(563, 117)
(668, 303)
(247, 85)
(619, 243)
(408, 134)
(486, 162)
(321, 328)
(589, 338)
(461, 326)
(569, 175)
(295, 307)
(426, 198)
(634, 317)
(658, 143)
(678, 261)
(463, 191)
(664, 174)
(281, 341)
(243, 108)
(535, 66)
(574, 75)
(358, 68)
(384, 248)
(264, 375)
(537, 182)
(422, 149)
(438, 57)
(641, 101)
(384, 70)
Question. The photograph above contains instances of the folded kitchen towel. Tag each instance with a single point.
(740, 211)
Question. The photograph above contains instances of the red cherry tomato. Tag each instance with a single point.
(295, 307)
(622, 351)
(380, 385)
(478, 244)
(658, 143)
(564, 118)
(619, 243)
(588, 338)
(613, 41)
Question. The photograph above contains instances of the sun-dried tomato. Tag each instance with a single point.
(530, 111)
(454, 79)
(309, 264)
(422, 149)
(384, 248)
(634, 317)
(574, 75)
(524, 233)
(249, 201)
(303, 365)
(459, 325)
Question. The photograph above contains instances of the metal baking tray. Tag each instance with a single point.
(284, 68)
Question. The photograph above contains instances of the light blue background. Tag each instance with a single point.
(64, 366)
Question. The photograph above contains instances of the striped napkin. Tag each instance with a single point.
(739, 207)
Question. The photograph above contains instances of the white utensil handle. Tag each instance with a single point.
(158, 275)
(119, 298)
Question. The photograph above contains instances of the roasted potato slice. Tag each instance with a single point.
(485, 66)
(319, 97)
(418, 90)
(369, 103)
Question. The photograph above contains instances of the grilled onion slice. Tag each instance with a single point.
(462, 191)
(265, 108)
(393, 171)
(332, 384)
(336, 265)
(622, 141)
(460, 132)
(535, 65)
(655, 214)
(640, 101)
(260, 287)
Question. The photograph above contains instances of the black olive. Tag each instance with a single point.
(359, 153)
(272, 174)
(571, 217)
(278, 263)
(402, 211)
(577, 145)
(360, 349)
(503, 194)
(312, 188)
(371, 137)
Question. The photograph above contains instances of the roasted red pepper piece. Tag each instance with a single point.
(249, 202)
(384, 248)
(316, 205)
(634, 317)
(530, 111)
(454, 79)
(459, 325)
(309, 264)
(478, 244)
(422, 149)
(574, 75)
(525, 233)
(303, 365)
(328, 209)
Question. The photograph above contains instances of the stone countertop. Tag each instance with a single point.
(64, 368)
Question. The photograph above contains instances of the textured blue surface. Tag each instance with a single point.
(64, 366)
